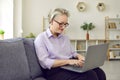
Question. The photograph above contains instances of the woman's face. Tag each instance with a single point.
(59, 23)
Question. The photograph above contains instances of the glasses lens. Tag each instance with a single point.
(62, 24)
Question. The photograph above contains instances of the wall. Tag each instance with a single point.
(34, 10)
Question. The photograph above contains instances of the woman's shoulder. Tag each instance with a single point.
(65, 37)
(40, 35)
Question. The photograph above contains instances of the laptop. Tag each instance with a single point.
(95, 57)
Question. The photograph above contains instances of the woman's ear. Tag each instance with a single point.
(51, 22)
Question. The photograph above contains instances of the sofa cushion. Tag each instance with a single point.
(13, 60)
(34, 66)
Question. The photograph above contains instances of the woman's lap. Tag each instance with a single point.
(62, 74)
(100, 73)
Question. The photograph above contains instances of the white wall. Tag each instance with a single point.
(34, 10)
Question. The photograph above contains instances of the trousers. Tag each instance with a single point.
(63, 74)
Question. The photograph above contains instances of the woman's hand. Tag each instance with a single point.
(76, 62)
(80, 57)
(79, 61)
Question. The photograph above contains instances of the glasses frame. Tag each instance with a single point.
(62, 24)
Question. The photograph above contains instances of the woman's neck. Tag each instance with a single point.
(54, 33)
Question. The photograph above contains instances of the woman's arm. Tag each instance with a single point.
(58, 63)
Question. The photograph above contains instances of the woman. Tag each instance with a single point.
(54, 50)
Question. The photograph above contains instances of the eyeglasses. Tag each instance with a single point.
(62, 24)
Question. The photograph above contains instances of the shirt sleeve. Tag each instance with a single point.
(42, 53)
(73, 52)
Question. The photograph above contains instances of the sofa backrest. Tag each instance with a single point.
(18, 60)
(35, 69)
(13, 60)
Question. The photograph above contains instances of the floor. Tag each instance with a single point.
(112, 69)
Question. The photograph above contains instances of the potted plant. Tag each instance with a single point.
(2, 34)
(87, 27)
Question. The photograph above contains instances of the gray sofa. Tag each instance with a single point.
(18, 60)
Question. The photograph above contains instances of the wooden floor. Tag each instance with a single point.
(112, 69)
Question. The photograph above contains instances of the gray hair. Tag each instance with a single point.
(58, 11)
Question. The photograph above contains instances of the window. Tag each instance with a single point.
(6, 17)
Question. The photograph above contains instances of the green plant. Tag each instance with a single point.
(31, 35)
(2, 31)
(87, 26)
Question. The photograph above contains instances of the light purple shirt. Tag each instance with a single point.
(49, 48)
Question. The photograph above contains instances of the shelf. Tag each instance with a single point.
(114, 49)
(115, 58)
(80, 50)
(81, 45)
(112, 35)
(113, 29)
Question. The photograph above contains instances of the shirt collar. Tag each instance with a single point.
(50, 34)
